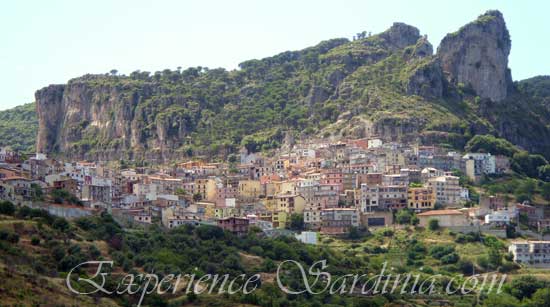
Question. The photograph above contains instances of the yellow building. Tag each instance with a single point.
(287, 187)
(422, 198)
(270, 203)
(271, 188)
(221, 213)
(280, 219)
(208, 208)
(290, 203)
(206, 188)
(249, 189)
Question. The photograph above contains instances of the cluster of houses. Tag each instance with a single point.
(330, 186)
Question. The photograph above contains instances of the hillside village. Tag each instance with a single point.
(341, 189)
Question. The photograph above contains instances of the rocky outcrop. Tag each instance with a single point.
(78, 118)
(400, 35)
(477, 56)
(50, 113)
(390, 85)
(422, 48)
(427, 80)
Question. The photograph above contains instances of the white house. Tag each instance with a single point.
(374, 143)
(307, 237)
(498, 217)
(535, 253)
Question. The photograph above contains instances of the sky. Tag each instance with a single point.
(50, 42)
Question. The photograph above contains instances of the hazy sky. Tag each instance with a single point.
(45, 42)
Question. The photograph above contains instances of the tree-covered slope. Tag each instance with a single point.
(389, 85)
(18, 128)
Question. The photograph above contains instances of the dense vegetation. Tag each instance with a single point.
(18, 128)
(32, 240)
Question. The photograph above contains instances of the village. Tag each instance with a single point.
(322, 187)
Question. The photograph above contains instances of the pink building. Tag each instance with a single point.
(333, 178)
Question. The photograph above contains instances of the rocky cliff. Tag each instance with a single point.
(390, 85)
(477, 56)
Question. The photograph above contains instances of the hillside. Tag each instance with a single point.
(390, 85)
(32, 240)
(18, 128)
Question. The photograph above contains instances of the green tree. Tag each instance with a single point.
(297, 222)
(403, 217)
(541, 298)
(35, 240)
(525, 163)
(501, 300)
(6, 208)
(433, 224)
(525, 286)
(354, 233)
(545, 191)
(490, 144)
(180, 191)
(415, 220)
(544, 172)
(37, 193)
(61, 224)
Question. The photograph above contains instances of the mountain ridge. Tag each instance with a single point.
(389, 85)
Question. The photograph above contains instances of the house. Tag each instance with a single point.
(338, 220)
(430, 172)
(447, 189)
(175, 216)
(446, 218)
(290, 203)
(280, 219)
(531, 253)
(307, 237)
(312, 217)
(396, 179)
(478, 164)
(17, 189)
(421, 198)
(225, 212)
(382, 197)
(67, 184)
(490, 203)
(374, 143)
(143, 217)
(206, 188)
(97, 192)
(249, 189)
(333, 177)
(445, 162)
(236, 225)
(370, 179)
(498, 218)
(6, 171)
(377, 218)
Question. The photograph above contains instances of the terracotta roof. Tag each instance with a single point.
(440, 212)
(15, 178)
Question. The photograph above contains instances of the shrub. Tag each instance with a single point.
(35, 240)
(7, 208)
(450, 258)
(439, 251)
(4, 234)
(433, 224)
(465, 266)
(13, 238)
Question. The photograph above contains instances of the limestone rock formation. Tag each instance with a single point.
(477, 56)
(401, 35)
